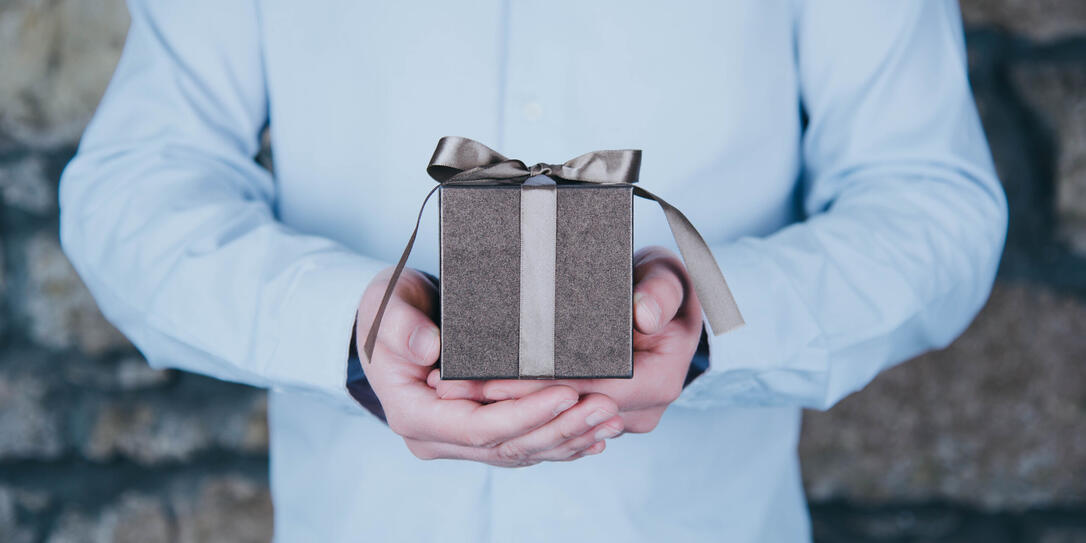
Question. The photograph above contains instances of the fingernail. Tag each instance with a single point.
(590, 451)
(423, 340)
(606, 432)
(563, 406)
(597, 417)
(648, 309)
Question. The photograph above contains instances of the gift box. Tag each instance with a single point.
(536, 273)
(536, 282)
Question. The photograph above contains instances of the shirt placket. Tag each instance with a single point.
(530, 118)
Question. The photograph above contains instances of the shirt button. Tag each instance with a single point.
(533, 111)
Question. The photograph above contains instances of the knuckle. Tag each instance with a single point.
(477, 439)
(608, 401)
(580, 448)
(416, 289)
(569, 454)
(511, 453)
(568, 432)
(446, 390)
(609, 404)
(518, 464)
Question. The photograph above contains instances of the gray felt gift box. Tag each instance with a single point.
(488, 263)
(537, 264)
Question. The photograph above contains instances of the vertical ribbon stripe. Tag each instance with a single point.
(538, 253)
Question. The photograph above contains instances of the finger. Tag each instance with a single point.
(588, 444)
(506, 389)
(434, 450)
(577, 445)
(465, 422)
(654, 384)
(456, 389)
(594, 449)
(558, 436)
(658, 290)
(395, 371)
(409, 333)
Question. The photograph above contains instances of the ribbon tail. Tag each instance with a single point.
(371, 337)
(709, 284)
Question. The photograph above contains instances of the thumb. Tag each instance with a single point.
(409, 333)
(658, 293)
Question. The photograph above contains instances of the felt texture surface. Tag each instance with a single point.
(480, 282)
(593, 305)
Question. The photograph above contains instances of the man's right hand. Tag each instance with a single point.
(551, 424)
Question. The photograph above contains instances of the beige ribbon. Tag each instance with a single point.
(538, 266)
(463, 161)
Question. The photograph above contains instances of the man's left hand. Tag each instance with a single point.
(667, 327)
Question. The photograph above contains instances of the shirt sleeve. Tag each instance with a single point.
(905, 223)
(170, 222)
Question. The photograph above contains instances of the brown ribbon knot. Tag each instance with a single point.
(463, 161)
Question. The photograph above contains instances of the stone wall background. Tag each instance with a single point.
(984, 441)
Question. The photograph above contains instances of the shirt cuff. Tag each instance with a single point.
(744, 364)
(317, 324)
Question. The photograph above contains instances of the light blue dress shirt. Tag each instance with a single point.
(830, 152)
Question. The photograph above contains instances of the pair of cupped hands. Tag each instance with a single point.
(515, 423)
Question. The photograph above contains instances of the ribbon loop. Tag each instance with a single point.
(464, 161)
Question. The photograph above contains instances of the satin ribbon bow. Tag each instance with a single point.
(463, 161)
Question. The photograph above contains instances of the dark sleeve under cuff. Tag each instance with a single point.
(358, 386)
(700, 362)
